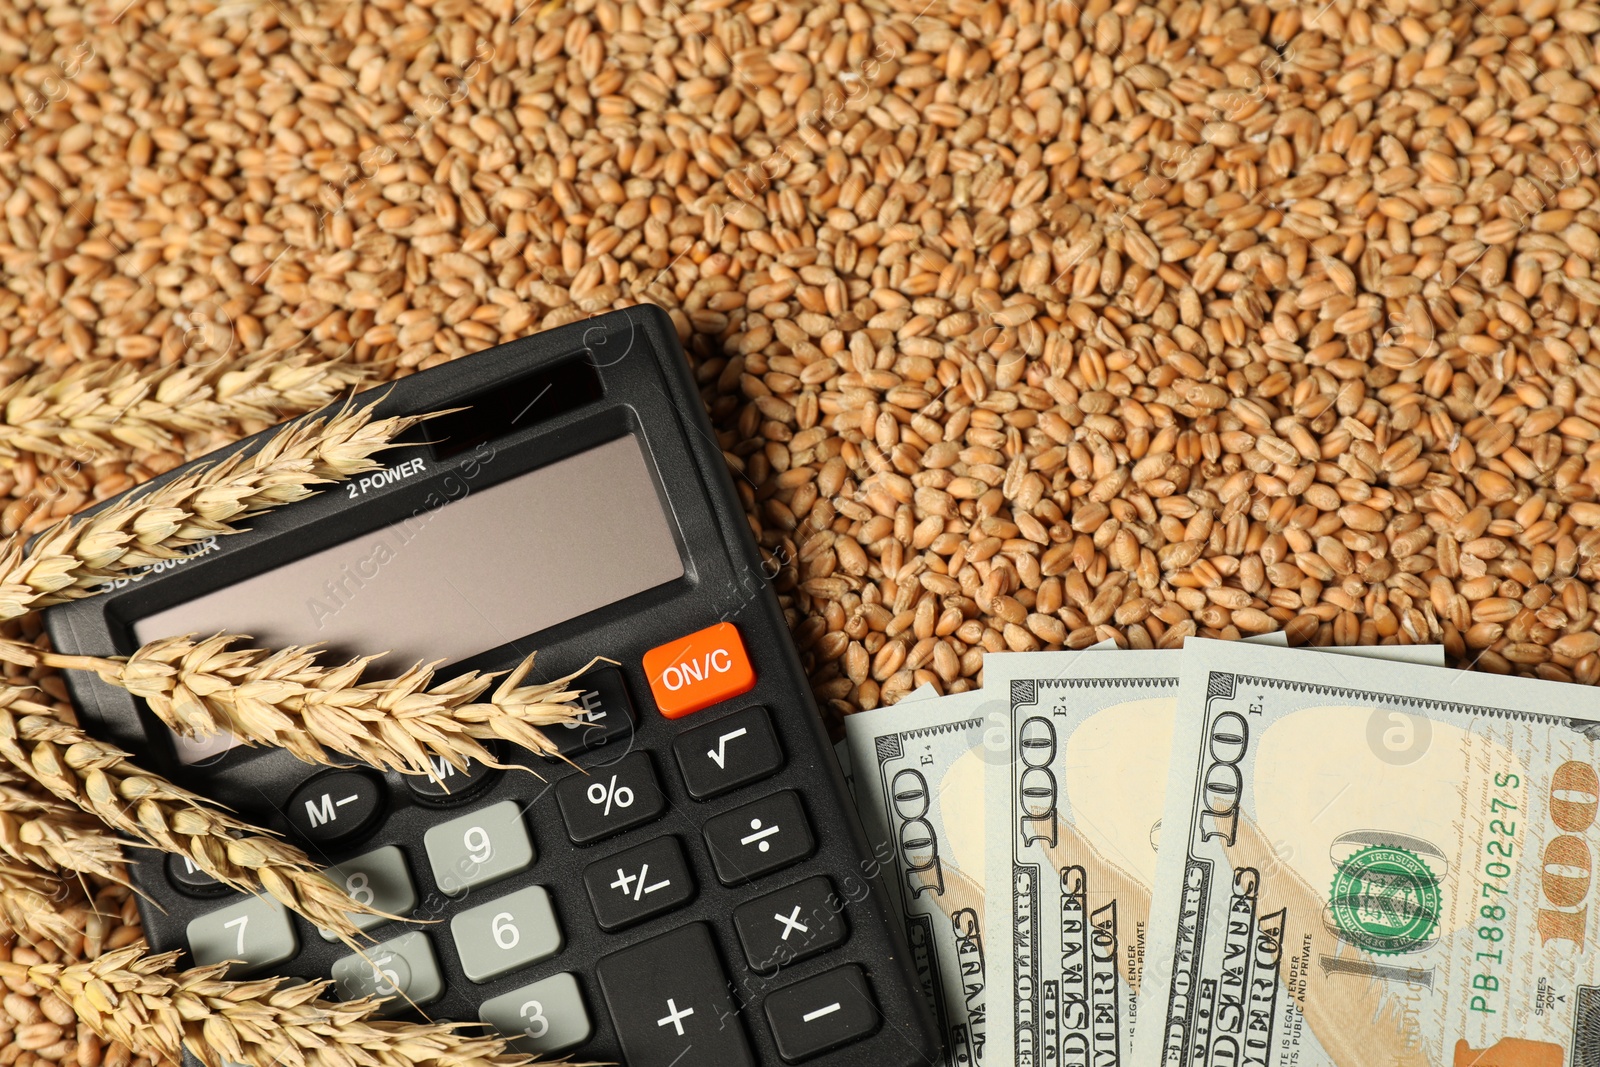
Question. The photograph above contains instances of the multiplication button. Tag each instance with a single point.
(639, 884)
(821, 1014)
(758, 838)
(733, 751)
(610, 799)
(792, 924)
(669, 999)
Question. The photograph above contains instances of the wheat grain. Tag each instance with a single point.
(77, 557)
(141, 1000)
(103, 781)
(286, 699)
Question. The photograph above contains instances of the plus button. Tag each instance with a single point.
(675, 1016)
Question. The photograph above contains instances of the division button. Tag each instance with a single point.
(610, 799)
(669, 1000)
(479, 847)
(544, 1018)
(821, 1014)
(256, 931)
(694, 672)
(759, 838)
(723, 755)
(605, 715)
(335, 807)
(638, 884)
(403, 968)
(792, 924)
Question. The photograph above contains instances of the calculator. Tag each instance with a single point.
(692, 885)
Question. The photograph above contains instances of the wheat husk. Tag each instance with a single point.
(285, 698)
(104, 781)
(76, 557)
(141, 1000)
(96, 408)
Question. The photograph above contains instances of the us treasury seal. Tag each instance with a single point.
(1386, 900)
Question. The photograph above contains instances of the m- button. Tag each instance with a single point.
(335, 807)
(694, 672)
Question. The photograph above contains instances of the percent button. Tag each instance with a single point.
(610, 799)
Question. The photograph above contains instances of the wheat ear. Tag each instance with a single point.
(137, 998)
(94, 408)
(286, 699)
(103, 781)
(76, 556)
(36, 906)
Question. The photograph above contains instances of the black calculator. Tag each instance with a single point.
(697, 891)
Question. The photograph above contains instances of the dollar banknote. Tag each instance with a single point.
(1077, 748)
(918, 780)
(1368, 863)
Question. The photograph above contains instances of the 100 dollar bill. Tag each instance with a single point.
(919, 785)
(1365, 863)
(1074, 807)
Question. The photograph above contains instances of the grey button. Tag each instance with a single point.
(545, 1017)
(507, 933)
(256, 930)
(402, 967)
(378, 878)
(479, 847)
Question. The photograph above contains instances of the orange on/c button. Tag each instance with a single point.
(694, 672)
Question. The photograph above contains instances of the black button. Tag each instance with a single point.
(822, 1013)
(610, 799)
(639, 884)
(605, 714)
(669, 1000)
(728, 753)
(447, 784)
(190, 879)
(758, 838)
(793, 924)
(335, 807)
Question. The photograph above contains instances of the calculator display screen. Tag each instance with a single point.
(485, 568)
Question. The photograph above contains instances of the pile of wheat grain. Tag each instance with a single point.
(1024, 324)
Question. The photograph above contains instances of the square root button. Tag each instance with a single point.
(694, 672)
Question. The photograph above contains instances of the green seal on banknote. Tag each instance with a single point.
(1386, 900)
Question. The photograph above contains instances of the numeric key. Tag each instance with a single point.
(256, 931)
(479, 847)
(379, 879)
(504, 934)
(669, 999)
(544, 1018)
(403, 968)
